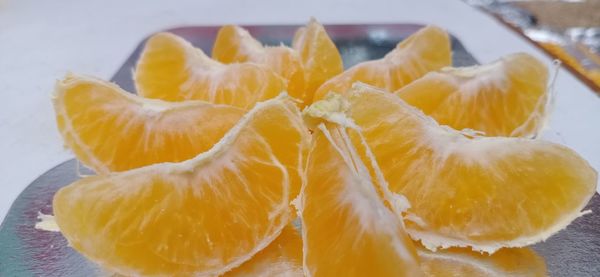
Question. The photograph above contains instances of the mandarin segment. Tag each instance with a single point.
(424, 51)
(347, 229)
(171, 69)
(235, 45)
(483, 192)
(109, 129)
(319, 55)
(200, 217)
(505, 98)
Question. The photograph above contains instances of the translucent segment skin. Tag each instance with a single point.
(111, 130)
(235, 45)
(347, 228)
(171, 69)
(483, 192)
(320, 57)
(201, 217)
(505, 98)
(517, 262)
(283, 257)
(424, 51)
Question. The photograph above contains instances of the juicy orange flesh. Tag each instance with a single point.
(161, 69)
(125, 227)
(111, 131)
(347, 229)
(424, 51)
(235, 45)
(497, 98)
(320, 57)
(201, 216)
(171, 69)
(479, 190)
(464, 262)
(283, 131)
(283, 257)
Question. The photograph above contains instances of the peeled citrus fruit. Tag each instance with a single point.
(424, 51)
(203, 216)
(235, 45)
(283, 257)
(522, 262)
(483, 192)
(505, 98)
(171, 69)
(320, 57)
(109, 129)
(347, 229)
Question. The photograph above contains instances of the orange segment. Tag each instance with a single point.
(109, 129)
(283, 257)
(320, 56)
(484, 192)
(504, 98)
(235, 45)
(171, 69)
(424, 51)
(463, 262)
(203, 216)
(347, 229)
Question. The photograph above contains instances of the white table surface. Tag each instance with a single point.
(42, 40)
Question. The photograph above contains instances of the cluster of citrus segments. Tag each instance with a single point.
(401, 166)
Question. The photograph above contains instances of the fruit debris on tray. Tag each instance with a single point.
(274, 161)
